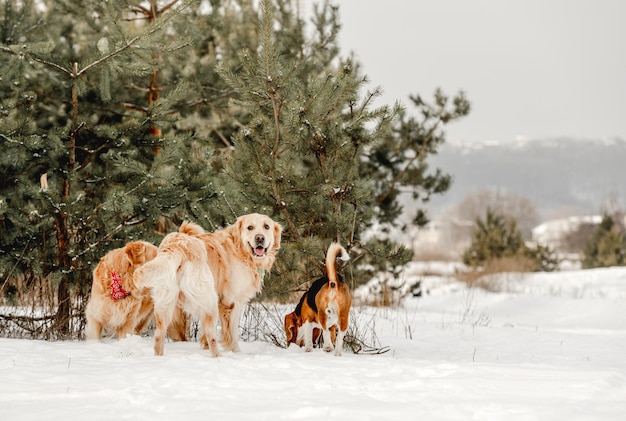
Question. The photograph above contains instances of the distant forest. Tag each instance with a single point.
(561, 177)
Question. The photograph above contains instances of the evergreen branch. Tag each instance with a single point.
(91, 154)
(392, 184)
(229, 205)
(221, 137)
(370, 97)
(138, 88)
(103, 204)
(126, 223)
(17, 262)
(203, 101)
(168, 6)
(112, 54)
(62, 69)
(137, 8)
(70, 72)
(8, 139)
(134, 107)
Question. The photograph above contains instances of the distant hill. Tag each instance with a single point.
(560, 176)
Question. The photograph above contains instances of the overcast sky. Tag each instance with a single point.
(532, 68)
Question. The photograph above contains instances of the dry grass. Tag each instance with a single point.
(482, 277)
(435, 255)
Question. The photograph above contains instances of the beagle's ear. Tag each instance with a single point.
(292, 334)
(291, 329)
(278, 232)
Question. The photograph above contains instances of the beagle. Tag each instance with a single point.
(325, 306)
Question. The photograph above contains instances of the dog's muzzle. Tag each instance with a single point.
(259, 249)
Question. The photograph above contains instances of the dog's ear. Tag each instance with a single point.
(278, 232)
(239, 224)
(291, 329)
(292, 334)
(135, 253)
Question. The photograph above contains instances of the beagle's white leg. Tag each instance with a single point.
(307, 328)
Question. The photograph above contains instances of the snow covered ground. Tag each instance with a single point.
(546, 347)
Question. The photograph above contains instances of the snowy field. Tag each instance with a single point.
(546, 347)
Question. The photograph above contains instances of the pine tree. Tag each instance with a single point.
(298, 157)
(399, 164)
(607, 246)
(89, 159)
(495, 237)
(318, 158)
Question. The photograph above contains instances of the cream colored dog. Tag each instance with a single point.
(178, 278)
(239, 256)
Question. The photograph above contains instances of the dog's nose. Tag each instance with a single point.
(260, 239)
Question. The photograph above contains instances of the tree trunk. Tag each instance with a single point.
(62, 320)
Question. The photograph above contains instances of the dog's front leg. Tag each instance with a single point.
(307, 329)
(93, 331)
(234, 326)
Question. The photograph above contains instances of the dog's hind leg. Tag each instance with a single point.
(342, 327)
(144, 316)
(209, 325)
(177, 331)
(307, 330)
(339, 344)
(162, 319)
(328, 342)
(163, 314)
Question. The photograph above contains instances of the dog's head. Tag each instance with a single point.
(259, 234)
(293, 322)
(139, 252)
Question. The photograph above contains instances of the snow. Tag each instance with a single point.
(542, 347)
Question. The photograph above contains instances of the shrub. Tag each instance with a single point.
(497, 239)
(607, 246)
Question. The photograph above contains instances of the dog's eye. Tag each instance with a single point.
(266, 226)
(250, 227)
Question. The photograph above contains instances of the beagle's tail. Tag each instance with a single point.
(334, 251)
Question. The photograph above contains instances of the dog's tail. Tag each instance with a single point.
(190, 228)
(334, 251)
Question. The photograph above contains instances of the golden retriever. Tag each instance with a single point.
(116, 304)
(239, 256)
(326, 305)
(179, 278)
